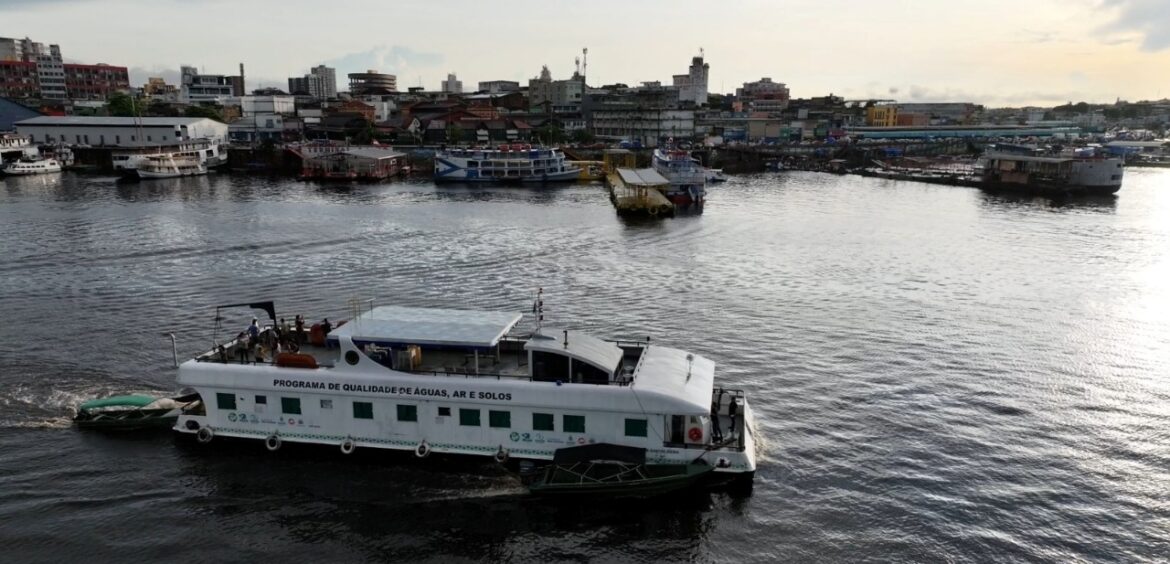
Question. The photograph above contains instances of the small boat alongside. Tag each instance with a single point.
(130, 412)
(514, 163)
(30, 166)
(169, 165)
(613, 471)
(715, 175)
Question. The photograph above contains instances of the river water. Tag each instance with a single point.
(939, 374)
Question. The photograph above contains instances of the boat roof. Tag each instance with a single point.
(391, 325)
(118, 401)
(665, 370)
(642, 177)
(587, 348)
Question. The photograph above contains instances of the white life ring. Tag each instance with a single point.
(272, 442)
(422, 450)
(501, 455)
(348, 446)
(205, 435)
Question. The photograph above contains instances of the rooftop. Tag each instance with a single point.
(642, 177)
(114, 121)
(396, 325)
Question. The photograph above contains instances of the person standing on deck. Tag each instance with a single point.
(300, 325)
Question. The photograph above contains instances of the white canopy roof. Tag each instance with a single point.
(586, 348)
(391, 325)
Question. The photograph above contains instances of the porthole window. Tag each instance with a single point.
(351, 357)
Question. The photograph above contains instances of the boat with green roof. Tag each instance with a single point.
(130, 412)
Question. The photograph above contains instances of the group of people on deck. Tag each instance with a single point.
(254, 344)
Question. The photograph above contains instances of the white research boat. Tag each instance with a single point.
(456, 382)
(506, 164)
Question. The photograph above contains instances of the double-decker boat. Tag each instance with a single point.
(169, 165)
(688, 178)
(506, 164)
(1068, 172)
(461, 382)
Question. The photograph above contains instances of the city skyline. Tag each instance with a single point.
(1046, 53)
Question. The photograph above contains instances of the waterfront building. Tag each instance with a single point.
(95, 82)
(452, 85)
(372, 82)
(763, 96)
(499, 86)
(197, 88)
(945, 113)
(692, 87)
(364, 163)
(267, 105)
(121, 131)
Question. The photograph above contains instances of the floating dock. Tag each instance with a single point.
(639, 192)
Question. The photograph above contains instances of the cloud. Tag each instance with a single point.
(1148, 18)
(920, 93)
(394, 59)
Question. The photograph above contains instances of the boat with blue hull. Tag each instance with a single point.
(505, 164)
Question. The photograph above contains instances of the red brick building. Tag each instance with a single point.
(18, 80)
(95, 82)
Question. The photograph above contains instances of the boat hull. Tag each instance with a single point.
(564, 176)
(1049, 189)
(145, 175)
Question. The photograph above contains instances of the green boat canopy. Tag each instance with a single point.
(118, 401)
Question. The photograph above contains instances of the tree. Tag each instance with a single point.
(583, 136)
(203, 112)
(122, 105)
(454, 134)
(551, 134)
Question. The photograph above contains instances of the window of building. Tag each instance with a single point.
(363, 410)
(636, 427)
(444, 412)
(469, 417)
(117, 139)
(225, 401)
(148, 138)
(291, 406)
(502, 419)
(261, 400)
(573, 423)
(326, 404)
(542, 422)
(408, 413)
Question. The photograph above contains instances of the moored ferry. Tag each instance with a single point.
(506, 164)
(168, 165)
(469, 383)
(688, 178)
(208, 153)
(29, 166)
(1068, 172)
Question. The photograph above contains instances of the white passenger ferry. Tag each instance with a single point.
(464, 382)
(28, 166)
(505, 164)
(208, 153)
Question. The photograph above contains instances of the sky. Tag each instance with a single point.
(993, 52)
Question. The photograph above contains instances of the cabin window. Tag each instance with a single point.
(291, 406)
(636, 427)
(363, 410)
(444, 412)
(573, 423)
(225, 401)
(585, 373)
(326, 404)
(261, 400)
(118, 139)
(502, 419)
(542, 422)
(469, 417)
(549, 367)
(408, 413)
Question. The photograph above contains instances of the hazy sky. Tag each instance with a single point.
(997, 52)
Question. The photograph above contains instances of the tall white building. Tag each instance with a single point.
(452, 85)
(692, 87)
(326, 83)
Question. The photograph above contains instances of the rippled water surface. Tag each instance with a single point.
(940, 375)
